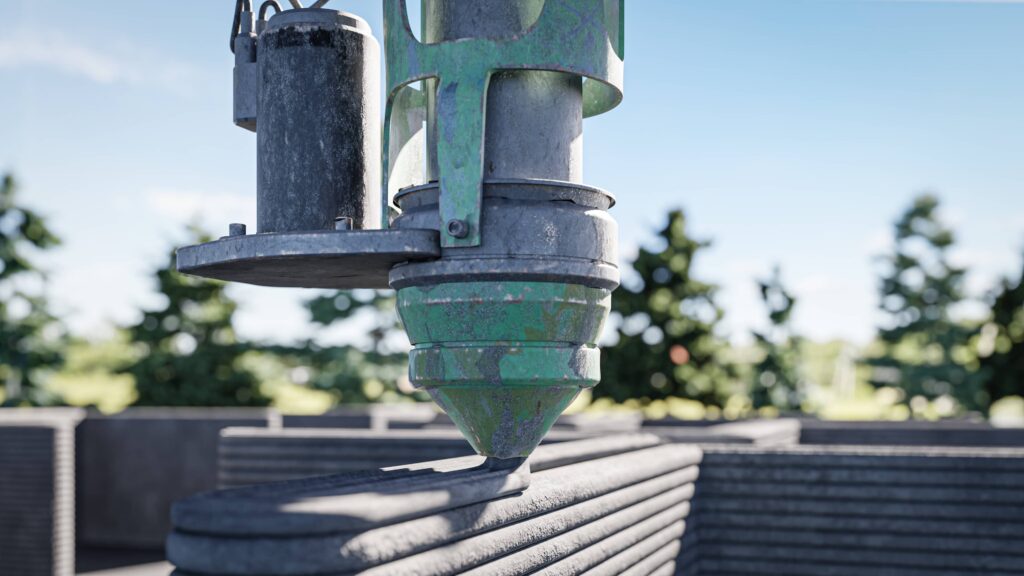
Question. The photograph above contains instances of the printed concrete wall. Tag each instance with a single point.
(781, 432)
(815, 510)
(37, 491)
(260, 455)
(910, 433)
(603, 506)
(133, 465)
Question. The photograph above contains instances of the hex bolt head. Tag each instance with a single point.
(458, 228)
(343, 223)
(236, 229)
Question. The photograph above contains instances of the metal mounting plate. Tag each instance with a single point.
(322, 259)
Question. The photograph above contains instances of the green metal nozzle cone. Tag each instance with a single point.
(504, 359)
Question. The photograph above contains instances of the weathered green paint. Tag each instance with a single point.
(504, 359)
(582, 37)
(504, 311)
(489, 365)
(504, 422)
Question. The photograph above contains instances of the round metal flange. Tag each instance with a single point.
(322, 259)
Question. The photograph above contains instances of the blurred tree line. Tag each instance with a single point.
(665, 341)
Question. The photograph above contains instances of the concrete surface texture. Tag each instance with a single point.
(595, 504)
(37, 491)
(910, 433)
(259, 455)
(844, 510)
(781, 432)
(133, 465)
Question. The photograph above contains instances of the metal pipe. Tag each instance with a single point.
(534, 122)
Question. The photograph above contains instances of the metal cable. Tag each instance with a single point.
(269, 4)
(240, 6)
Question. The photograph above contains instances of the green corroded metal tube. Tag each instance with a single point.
(504, 359)
(504, 325)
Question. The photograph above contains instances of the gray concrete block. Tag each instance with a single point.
(37, 498)
(133, 465)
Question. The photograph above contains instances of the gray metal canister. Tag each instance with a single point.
(318, 134)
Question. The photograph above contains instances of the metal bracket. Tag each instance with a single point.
(582, 37)
(321, 259)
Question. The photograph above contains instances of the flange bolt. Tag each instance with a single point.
(458, 228)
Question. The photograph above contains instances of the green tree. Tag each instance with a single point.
(31, 338)
(776, 379)
(1002, 359)
(666, 342)
(367, 371)
(188, 354)
(925, 353)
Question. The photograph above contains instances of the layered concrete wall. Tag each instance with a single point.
(814, 510)
(909, 433)
(260, 455)
(781, 432)
(133, 465)
(601, 506)
(37, 492)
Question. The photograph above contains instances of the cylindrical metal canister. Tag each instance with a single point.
(318, 134)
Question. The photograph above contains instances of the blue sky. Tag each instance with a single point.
(792, 132)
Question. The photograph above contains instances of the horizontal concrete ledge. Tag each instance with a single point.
(347, 503)
(619, 552)
(939, 530)
(863, 475)
(878, 496)
(840, 537)
(885, 457)
(781, 432)
(795, 554)
(746, 566)
(662, 561)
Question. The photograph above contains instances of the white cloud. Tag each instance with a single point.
(116, 63)
(55, 52)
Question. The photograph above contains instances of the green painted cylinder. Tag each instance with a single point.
(504, 359)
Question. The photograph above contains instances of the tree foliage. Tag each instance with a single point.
(187, 351)
(368, 370)
(926, 352)
(30, 336)
(666, 343)
(776, 379)
(1002, 362)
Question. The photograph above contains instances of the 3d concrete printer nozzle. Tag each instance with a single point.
(504, 262)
